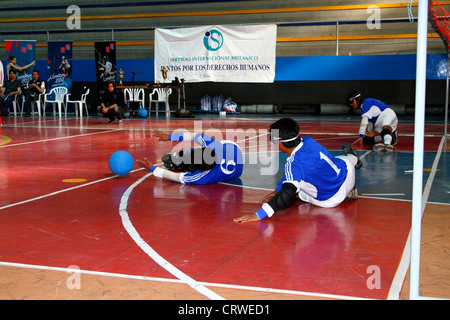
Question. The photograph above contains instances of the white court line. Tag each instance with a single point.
(61, 191)
(151, 252)
(53, 139)
(146, 278)
(382, 194)
(399, 278)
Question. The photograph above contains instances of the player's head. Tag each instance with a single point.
(111, 86)
(192, 159)
(12, 74)
(35, 74)
(286, 131)
(354, 99)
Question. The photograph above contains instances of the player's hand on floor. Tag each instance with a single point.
(161, 135)
(144, 163)
(247, 218)
(357, 142)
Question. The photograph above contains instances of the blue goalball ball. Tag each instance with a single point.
(142, 112)
(121, 162)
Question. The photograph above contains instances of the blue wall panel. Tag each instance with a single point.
(316, 68)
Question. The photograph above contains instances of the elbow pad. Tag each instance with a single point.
(284, 198)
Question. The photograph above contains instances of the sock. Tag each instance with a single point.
(387, 139)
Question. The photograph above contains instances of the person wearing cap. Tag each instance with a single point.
(378, 124)
(312, 174)
(215, 161)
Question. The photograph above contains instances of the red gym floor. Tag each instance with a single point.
(61, 206)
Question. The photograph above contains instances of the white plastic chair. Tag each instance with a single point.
(134, 95)
(38, 104)
(56, 96)
(79, 103)
(161, 95)
(14, 104)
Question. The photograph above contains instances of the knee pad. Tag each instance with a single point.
(369, 140)
(384, 132)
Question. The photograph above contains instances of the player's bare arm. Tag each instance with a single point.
(161, 135)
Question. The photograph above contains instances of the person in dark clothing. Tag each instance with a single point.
(112, 104)
(36, 86)
(10, 89)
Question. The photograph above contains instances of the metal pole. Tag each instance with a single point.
(446, 95)
(337, 38)
(419, 129)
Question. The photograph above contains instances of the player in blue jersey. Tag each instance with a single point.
(312, 174)
(378, 124)
(215, 161)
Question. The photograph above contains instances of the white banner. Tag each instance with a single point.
(244, 53)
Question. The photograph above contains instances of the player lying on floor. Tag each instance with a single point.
(213, 162)
(312, 174)
(378, 124)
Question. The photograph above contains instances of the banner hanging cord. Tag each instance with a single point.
(410, 14)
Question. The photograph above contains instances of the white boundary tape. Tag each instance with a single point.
(152, 253)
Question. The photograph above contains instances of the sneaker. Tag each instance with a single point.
(389, 147)
(379, 147)
(120, 121)
(352, 195)
(348, 149)
(383, 147)
(394, 138)
(111, 121)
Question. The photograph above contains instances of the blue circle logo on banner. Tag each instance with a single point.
(213, 40)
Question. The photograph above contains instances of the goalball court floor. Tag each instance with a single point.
(71, 229)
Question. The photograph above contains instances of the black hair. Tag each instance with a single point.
(11, 58)
(110, 82)
(192, 159)
(285, 129)
(354, 95)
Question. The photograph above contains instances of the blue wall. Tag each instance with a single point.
(372, 67)
(317, 68)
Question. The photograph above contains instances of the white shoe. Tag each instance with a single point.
(388, 147)
(383, 147)
(352, 195)
(379, 147)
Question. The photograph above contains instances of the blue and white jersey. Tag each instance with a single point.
(372, 108)
(314, 170)
(230, 163)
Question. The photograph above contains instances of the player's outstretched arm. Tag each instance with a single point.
(247, 218)
(144, 163)
(161, 135)
(357, 142)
